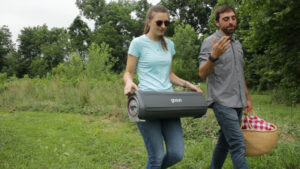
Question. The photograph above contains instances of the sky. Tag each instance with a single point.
(17, 14)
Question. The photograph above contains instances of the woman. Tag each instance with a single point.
(152, 54)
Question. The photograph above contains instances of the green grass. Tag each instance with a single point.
(60, 140)
(52, 140)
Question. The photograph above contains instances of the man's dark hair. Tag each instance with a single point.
(222, 9)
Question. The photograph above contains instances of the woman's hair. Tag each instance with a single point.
(149, 16)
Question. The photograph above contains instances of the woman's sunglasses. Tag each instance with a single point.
(160, 22)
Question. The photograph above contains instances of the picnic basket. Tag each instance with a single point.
(258, 142)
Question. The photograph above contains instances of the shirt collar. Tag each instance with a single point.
(220, 35)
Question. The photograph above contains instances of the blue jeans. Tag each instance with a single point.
(154, 133)
(230, 138)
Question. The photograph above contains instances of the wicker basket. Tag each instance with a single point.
(259, 142)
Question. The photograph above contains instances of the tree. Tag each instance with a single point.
(193, 12)
(92, 9)
(38, 43)
(272, 45)
(141, 9)
(79, 35)
(11, 64)
(140, 12)
(114, 25)
(6, 45)
(119, 42)
(30, 41)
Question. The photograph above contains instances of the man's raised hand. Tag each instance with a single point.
(219, 48)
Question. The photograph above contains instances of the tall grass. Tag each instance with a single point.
(89, 96)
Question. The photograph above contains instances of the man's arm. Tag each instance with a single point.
(206, 68)
(217, 50)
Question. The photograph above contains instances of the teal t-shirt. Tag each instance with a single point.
(154, 63)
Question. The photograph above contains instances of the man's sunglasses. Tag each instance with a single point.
(160, 22)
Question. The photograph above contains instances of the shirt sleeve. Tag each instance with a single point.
(134, 48)
(205, 51)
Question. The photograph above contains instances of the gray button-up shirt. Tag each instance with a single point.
(225, 84)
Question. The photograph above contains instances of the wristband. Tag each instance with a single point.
(184, 84)
(212, 59)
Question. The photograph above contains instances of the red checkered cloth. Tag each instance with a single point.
(256, 123)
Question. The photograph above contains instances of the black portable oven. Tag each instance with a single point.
(146, 105)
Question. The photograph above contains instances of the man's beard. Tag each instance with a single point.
(227, 31)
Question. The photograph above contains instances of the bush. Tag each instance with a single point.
(72, 69)
(3, 81)
(99, 61)
(185, 60)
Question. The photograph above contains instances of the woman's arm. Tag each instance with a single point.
(180, 82)
(129, 73)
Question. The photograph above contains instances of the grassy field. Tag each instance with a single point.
(55, 124)
(68, 140)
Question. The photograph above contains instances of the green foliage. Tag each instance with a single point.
(192, 12)
(54, 52)
(80, 36)
(71, 70)
(37, 68)
(114, 25)
(6, 45)
(99, 61)
(3, 81)
(185, 62)
(272, 46)
(109, 35)
(11, 63)
(140, 10)
(98, 65)
(43, 46)
(91, 8)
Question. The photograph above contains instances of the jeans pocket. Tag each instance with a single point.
(230, 115)
(226, 112)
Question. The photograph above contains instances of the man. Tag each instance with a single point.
(221, 63)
